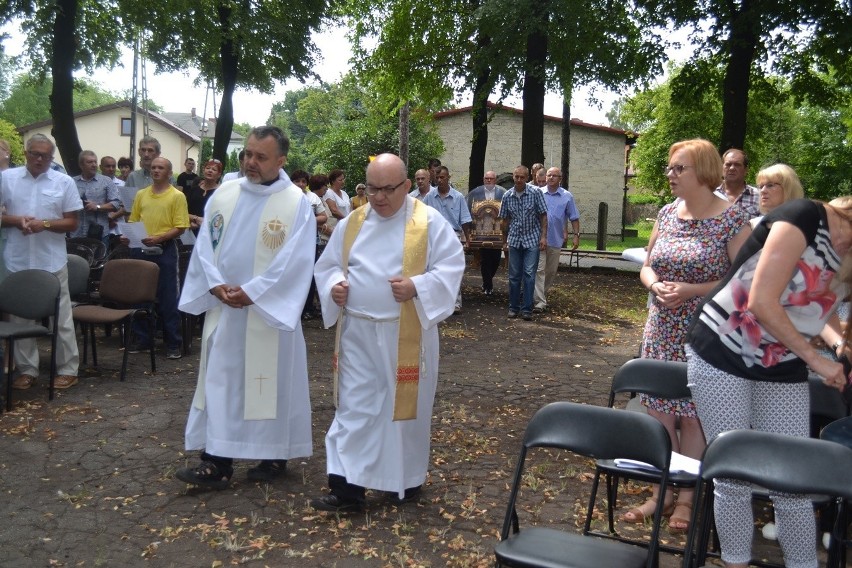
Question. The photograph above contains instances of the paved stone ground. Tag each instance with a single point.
(87, 479)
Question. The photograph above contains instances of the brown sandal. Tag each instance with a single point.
(637, 516)
(684, 521)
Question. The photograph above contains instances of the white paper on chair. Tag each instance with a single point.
(679, 464)
(134, 232)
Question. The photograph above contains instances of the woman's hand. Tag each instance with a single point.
(831, 372)
(669, 294)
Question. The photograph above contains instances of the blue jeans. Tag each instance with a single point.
(523, 262)
(168, 291)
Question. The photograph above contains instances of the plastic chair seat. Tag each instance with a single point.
(22, 330)
(92, 314)
(549, 548)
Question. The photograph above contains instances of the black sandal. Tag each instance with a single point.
(206, 474)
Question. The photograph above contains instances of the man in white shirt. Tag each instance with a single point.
(422, 185)
(41, 205)
(237, 175)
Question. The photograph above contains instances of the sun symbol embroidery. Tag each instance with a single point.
(273, 233)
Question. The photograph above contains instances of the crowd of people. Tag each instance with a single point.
(741, 280)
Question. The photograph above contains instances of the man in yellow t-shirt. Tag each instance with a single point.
(162, 209)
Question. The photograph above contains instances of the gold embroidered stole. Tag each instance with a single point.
(415, 244)
(261, 341)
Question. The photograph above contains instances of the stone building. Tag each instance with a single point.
(597, 157)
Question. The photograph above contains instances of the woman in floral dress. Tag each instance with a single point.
(692, 245)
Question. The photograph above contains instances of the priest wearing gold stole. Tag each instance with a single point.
(388, 276)
(247, 273)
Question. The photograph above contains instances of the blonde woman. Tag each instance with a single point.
(749, 353)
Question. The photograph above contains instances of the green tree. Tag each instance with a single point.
(64, 36)
(234, 43)
(347, 124)
(29, 98)
(424, 53)
(751, 39)
(9, 133)
(283, 115)
(816, 142)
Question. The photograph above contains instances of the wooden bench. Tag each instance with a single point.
(574, 256)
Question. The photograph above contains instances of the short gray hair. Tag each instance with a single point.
(85, 154)
(151, 141)
(40, 138)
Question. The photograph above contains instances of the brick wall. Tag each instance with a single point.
(597, 159)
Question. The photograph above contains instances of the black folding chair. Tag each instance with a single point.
(788, 464)
(595, 432)
(664, 379)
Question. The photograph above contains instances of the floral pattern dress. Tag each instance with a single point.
(686, 250)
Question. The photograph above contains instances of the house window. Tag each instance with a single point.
(125, 126)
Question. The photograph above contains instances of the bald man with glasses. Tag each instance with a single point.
(388, 276)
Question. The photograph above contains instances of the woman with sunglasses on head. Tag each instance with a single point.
(692, 245)
(200, 191)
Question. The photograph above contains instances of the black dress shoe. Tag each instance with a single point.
(337, 504)
(267, 470)
(411, 494)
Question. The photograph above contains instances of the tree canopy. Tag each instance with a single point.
(233, 43)
(64, 36)
(800, 41)
(28, 100)
(344, 124)
(816, 142)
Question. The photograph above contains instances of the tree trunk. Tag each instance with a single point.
(230, 68)
(62, 93)
(404, 114)
(565, 159)
(532, 130)
(743, 39)
(479, 116)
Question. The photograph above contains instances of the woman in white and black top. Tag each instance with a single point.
(749, 351)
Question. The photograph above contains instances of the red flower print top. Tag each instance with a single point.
(729, 337)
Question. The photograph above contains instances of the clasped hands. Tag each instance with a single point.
(31, 225)
(231, 296)
(402, 288)
(669, 294)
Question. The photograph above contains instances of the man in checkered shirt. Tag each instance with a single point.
(524, 215)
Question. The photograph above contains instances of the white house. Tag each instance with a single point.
(106, 131)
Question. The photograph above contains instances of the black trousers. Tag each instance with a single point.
(488, 265)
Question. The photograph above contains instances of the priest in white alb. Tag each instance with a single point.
(247, 274)
(388, 276)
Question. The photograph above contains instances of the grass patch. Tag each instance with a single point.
(616, 244)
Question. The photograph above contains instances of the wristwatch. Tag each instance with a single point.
(46, 224)
(97, 206)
